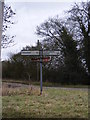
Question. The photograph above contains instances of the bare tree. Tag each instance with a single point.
(79, 21)
(57, 36)
(7, 21)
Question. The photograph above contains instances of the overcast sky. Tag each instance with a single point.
(28, 16)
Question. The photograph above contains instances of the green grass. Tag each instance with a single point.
(53, 103)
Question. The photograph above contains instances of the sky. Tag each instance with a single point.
(28, 16)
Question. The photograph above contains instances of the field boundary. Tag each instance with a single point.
(70, 87)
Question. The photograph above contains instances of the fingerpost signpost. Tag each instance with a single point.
(43, 56)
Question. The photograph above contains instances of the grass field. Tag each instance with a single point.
(53, 103)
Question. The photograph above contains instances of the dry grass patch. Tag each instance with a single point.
(8, 90)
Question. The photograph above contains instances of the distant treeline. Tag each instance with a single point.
(22, 68)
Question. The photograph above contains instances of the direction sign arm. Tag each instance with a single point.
(31, 53)
(51, 53)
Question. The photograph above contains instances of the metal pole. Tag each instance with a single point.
(37, 71)
(41, 78)
(37, 62)
(41, 53)
(41, 72)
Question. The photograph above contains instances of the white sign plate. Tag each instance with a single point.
(30, 53)
(51, 53)
(45, 53)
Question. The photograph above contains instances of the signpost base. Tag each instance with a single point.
(40, 92)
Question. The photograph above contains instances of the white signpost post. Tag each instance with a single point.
(41, 55)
